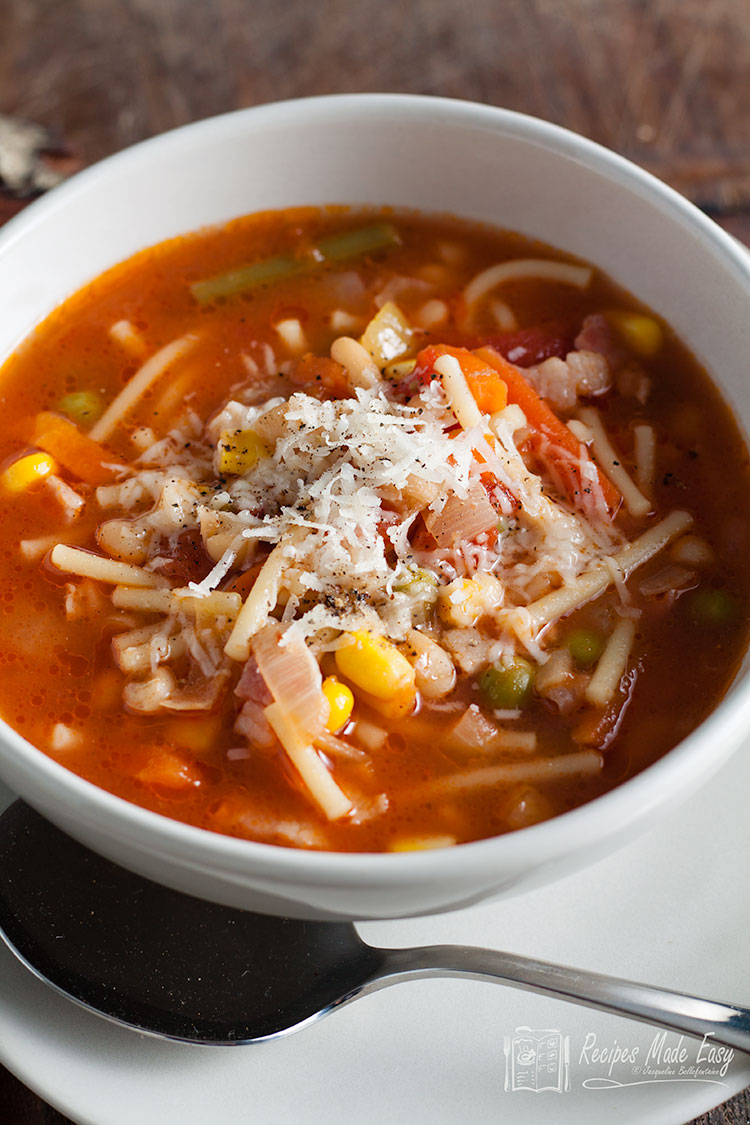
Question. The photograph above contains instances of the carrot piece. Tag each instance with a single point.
(489, 390)
(80, 454)
(315, 370)
(546, 423)
(170, 771)
(243, 583)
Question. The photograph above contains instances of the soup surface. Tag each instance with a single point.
(364, 531)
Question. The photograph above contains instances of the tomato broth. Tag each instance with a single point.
(405, 532)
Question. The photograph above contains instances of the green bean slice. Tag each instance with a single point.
(247, 277)
(353, 243)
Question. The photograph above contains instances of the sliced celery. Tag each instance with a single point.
(335, 248)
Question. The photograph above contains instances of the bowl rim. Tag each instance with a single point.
(689, 759)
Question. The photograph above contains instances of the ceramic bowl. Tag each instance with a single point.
(473, 161)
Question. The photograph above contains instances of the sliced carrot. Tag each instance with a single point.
(488, 389)
(80, 454)
(545, 422)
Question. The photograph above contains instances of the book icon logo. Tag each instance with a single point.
(537, 1059)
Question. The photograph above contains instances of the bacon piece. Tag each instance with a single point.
(251, 722)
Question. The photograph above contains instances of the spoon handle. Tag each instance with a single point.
(727, 1024)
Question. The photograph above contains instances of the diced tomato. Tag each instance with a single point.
(421, 538)
(529, 346)
(185, 559)
(499, 496)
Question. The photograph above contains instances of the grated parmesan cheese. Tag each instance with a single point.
(337, 492)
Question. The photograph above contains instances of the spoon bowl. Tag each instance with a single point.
(173, 966)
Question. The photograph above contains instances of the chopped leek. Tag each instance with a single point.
(417, 581)
(335, 248)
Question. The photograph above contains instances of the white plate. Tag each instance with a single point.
(672, 908)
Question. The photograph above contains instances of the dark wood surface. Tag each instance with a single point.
(664, 82)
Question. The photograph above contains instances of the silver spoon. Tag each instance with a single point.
(174, 966)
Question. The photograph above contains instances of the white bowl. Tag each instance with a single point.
(437, 155)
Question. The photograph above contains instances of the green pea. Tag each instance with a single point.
(712, 607)
(81, 406)
(507, 684)
(585, 646)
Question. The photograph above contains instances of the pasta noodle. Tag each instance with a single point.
(537, 268)
(88, 565)
(258, 604)
(143, 379)
(316, 777)
(636, 503)
(612, 664)
(530, 770)
(645, 455)
(595, 581)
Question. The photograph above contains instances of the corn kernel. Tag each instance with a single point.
(24, 472)
(641, 333)
(240, 451)
(340, 703)
(375, 665)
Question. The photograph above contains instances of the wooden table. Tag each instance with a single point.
(664, 82)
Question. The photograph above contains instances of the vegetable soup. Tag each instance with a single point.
(364, 531)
